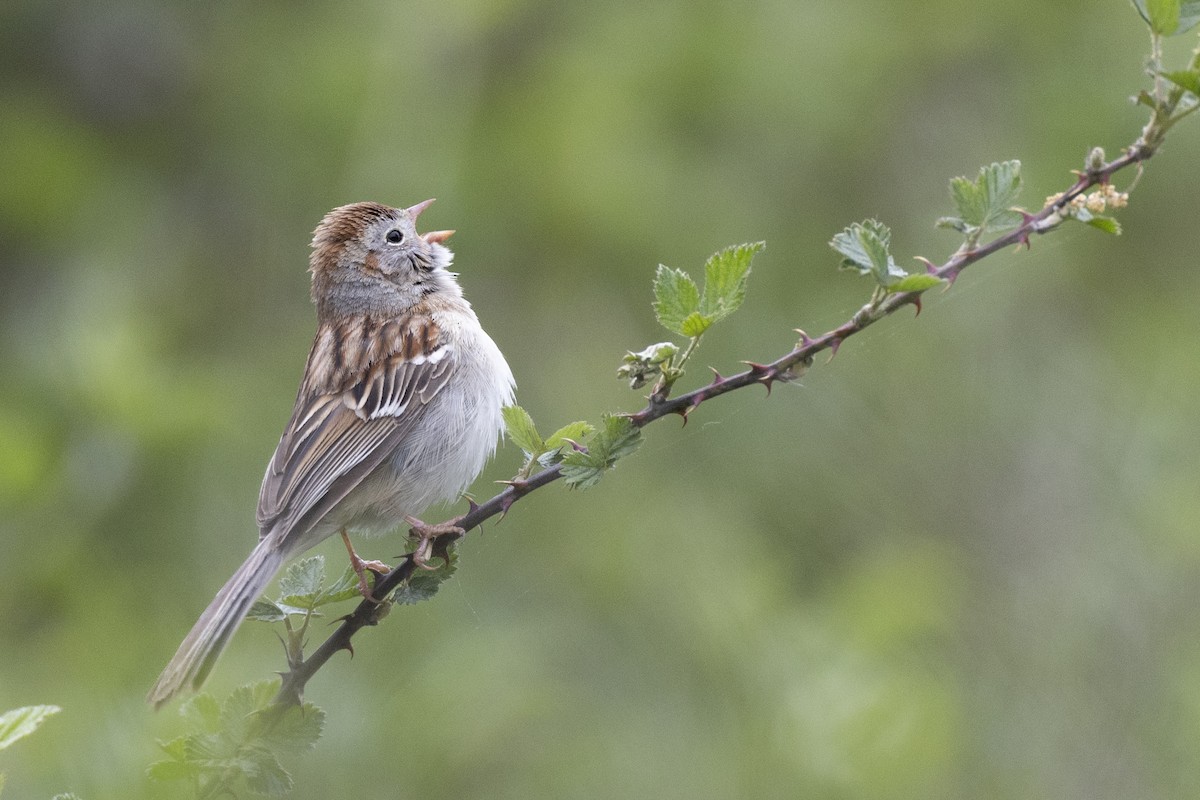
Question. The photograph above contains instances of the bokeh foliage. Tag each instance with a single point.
(959, 561)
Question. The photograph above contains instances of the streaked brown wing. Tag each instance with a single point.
(335, 439)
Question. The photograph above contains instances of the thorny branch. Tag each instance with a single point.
(786, 367)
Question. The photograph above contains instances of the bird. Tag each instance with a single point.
(399, 407)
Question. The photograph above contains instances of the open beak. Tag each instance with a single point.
(433, 237)
(437, 237)
(415, 211)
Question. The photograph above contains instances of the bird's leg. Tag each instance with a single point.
(425, 535)
(360, 568)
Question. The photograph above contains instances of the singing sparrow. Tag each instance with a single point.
(398, 408)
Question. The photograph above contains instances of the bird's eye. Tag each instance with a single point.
(394, 236)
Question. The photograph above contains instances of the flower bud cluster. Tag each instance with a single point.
(1097, 202)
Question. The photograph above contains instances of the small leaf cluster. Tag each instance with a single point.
(18, 723)
(236, 744)
(683, 308)
(985, 205)
(616, 438)
(865, 249)
(585, 451)
(1169, 17)
(646, 365)
(423, 584)
(538, 451)
(302, 591)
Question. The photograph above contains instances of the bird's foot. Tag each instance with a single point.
(426, 536)
(360, 567)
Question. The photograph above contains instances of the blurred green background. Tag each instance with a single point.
(960, 561)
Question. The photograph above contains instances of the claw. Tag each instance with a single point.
(426, 536)
(360, 567)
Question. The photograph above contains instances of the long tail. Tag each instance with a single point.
(208, 637)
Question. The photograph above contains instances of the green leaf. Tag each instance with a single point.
(1146, 99)
(985, 204)
(1169, 17)
(202, 713)
(1188, 80)
(424, 584)
(617, 438)
(695, 324)
(239, 709)
(1163, 16)
(917, 282)
(953, 223)
(725, 276)
(20, 722)
(1106, 224)
(572, 432)
(344, 588)
(302, 590)
(264, 610)
(302, 581)
(207, 748)
(178, 766)
(295, 730)
(264, 774)
(675, 298)
(563, 437)
(416, 589)
(1189, 16)
(641, 368)
(521, 430)
(176, 748)
(864, 246)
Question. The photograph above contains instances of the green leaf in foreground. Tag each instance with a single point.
(682, 308)
(571, 432)
(561, 438)
(424, 583)
(302, 580)
(1169, 17)
(1186, 79)
(1106, 224)
(645, 366)
(918, 282)
(295, 730)
(864, 248)
(676, 297)
(1189, 16)
(265, 610)
(725, 276)
(234, 745)
(521, 430)
(20, 722)
(617, 438)
(202, 713)
(985, 204)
